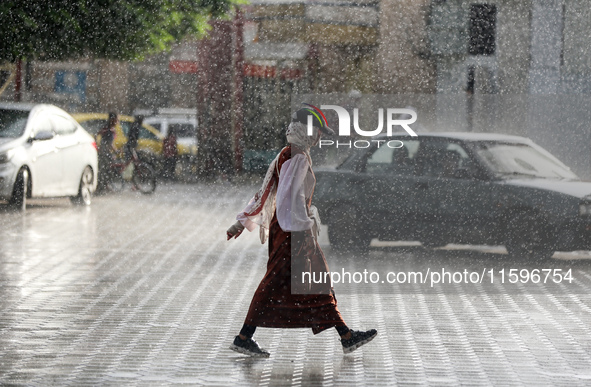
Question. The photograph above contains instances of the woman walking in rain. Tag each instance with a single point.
(282, 209)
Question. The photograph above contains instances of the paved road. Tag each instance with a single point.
(144, 290)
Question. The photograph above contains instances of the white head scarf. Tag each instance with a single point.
(264, 208)
(297, 134)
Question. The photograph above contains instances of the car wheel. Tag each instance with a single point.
(20, 190)
(84, 196)
(345, 233)
(529, 236)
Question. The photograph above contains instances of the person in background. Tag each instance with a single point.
(106, 149)
(169, 150)
(133, 136)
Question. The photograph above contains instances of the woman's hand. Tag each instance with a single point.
(313, 214)
(235, 230)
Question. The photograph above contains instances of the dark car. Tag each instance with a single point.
(456, 188)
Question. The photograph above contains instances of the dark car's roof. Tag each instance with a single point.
(468, 136)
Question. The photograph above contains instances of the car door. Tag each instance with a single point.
(46, 162)
(454, 201)
(388, 181)
(70, 150)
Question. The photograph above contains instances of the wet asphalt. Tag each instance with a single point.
(144, 290)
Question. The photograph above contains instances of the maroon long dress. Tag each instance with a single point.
(273, 304)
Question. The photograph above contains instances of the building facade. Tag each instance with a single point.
(96, 85)
(497, 64)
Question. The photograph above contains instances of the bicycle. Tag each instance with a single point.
(134, 170)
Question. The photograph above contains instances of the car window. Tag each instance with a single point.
(182, 129)
(398, 161)
(146, 134)
(93, 126)
(43, 123)
(125, 125)
(443, 159)
(522, 160)
(13, 123)
(63, 125)
(156, 125)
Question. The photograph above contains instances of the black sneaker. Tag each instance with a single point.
(248, 347)
(357, 339)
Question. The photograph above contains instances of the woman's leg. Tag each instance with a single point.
(344, 331)
(351, 340)
(244, 343)
(247, 332)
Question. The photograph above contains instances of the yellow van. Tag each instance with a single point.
(149, 142)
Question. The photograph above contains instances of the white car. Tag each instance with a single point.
(44, 152)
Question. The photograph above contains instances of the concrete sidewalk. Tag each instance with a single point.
(145, 290)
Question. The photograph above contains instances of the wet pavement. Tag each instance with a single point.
(145, 290)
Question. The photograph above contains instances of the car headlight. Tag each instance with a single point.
(585, 209)
(6, 156)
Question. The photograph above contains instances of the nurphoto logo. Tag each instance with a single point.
(393, 117)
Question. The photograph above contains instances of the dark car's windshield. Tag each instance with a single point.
(12, 123)
(522, 160)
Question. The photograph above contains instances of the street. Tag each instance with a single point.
(145, 290)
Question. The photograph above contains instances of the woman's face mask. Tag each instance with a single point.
(316, 137)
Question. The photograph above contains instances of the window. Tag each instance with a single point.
(145, 133)
(43, 124)
(380, 160)
(483, 20)
(63, 125)
(521, 160)
(125, 126)
(12, 123)
(397, 161)
(183, 129)
(444, 160)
